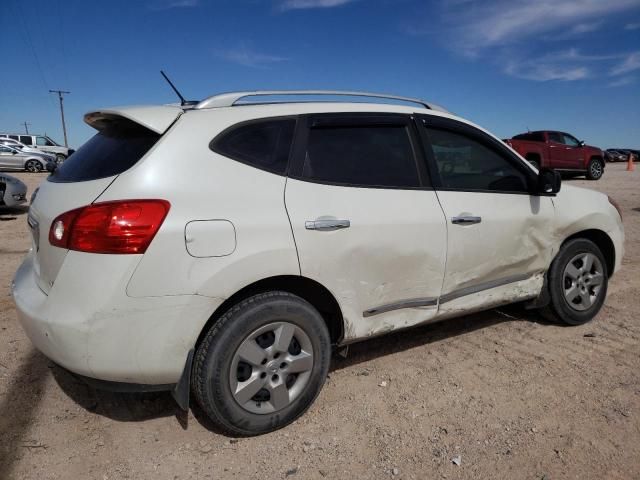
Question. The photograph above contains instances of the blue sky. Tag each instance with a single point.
(507, 65)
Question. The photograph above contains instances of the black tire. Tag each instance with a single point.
(33, 166)
(595, 169)
(60, 158)
(214, 357)
(560, 308)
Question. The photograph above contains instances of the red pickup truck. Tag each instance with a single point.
(560, 151)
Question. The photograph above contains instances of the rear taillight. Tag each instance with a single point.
(125, 226)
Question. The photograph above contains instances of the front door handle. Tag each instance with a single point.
(326, 225)
(466, 220)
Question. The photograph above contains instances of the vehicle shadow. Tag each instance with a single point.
(137, 407)
(18, 410)
(118, 406)
(12, 213)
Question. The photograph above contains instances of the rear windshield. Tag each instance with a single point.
(112, 151)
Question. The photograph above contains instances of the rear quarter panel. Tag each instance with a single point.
(203, 185)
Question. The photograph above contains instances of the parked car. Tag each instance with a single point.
(559, 151)
(26, 149)
(13, 158)
(12, 191)
(612, 155)
(286, 229)
(43, 142)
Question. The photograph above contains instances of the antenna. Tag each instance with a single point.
(183, 102)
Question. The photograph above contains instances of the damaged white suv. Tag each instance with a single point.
(224, 247)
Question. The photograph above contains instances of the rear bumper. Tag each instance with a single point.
(88, 325)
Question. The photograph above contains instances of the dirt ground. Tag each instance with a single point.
(512, 396)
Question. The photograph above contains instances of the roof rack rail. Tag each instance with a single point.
(230, 99)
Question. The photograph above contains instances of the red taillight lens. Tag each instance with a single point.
(125, 226)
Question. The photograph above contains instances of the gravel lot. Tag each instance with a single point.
(512, 396)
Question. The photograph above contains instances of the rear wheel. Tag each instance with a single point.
(33, 166)
(262, 364)
(60, 158)
(595, 169)
(578, 282)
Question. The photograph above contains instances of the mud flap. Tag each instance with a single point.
(541, 300)
(182, 389)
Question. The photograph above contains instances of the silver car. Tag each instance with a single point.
(12, 191)
(27, 149)
(13, 158)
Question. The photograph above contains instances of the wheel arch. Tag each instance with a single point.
(310, 290)
(603, 242)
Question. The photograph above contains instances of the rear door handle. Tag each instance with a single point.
(466, 220)
(326, 225)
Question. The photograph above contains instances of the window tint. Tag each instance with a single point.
(5, 150)
(15, 137)
(112, 151)
(531, 136)
(368, 156)
(465, 164)
(26, 139)
(555, 137)
(264, 144)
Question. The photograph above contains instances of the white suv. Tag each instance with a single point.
(226, 247)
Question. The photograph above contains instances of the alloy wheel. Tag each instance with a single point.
(271, 367)
(582, 280)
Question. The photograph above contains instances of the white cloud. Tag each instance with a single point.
(249, 58)
(630, 63)
(491, 23)
(632, 26)
(303, 4)
(169, 4)
(622, 82)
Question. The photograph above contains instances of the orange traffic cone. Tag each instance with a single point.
(630, 166)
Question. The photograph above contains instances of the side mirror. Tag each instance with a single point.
(581, 142)
(548, 181)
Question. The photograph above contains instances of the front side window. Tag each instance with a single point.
(368, 155)
(263, 144)
(569, 140)
(26, 139)
(5, 150)
(44, 142)
(466, 164)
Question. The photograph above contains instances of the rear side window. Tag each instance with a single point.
(369, 156)
(531, 136)
(26, 139)
(555, 137)
(114, 150)
(264, 144)
(466, 164)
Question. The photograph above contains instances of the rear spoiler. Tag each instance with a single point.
(157, 118)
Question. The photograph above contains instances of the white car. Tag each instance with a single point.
(227, 246)
(13, 192)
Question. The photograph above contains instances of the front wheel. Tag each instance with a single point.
(262, 364)
(578, 281)
(33, 166)
(595, 169)
(60, 158)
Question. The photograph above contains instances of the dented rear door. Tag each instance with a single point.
(365, 224)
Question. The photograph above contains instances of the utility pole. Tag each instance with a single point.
(64, 127)
(26, 127)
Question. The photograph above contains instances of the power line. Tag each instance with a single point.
(64, 127)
